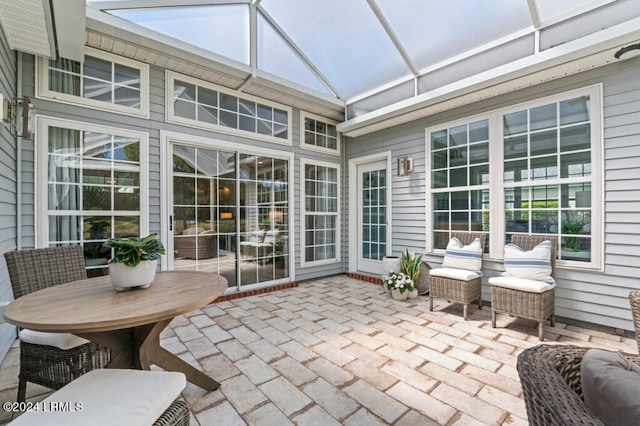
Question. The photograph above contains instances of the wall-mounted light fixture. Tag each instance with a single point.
(628, 51)
(405, 165)
(18, 114)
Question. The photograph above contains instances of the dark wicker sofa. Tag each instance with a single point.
(550, 378)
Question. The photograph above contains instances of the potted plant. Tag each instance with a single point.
(399, 284)
(411, 267)
(135, 261)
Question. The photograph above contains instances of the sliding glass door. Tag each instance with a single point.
(229, 214)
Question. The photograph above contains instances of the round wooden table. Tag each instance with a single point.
(127, 322)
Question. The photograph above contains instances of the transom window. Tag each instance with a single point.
(319, 134)
(529, 169)
(320, 211)
(204, 105)
(102, 81)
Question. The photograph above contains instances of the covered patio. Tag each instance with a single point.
(337, 350)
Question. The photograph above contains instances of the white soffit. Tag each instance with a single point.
(577, 56)
(28, 26)
(69, 16)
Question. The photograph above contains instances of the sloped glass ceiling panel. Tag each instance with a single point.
(221, 29)
(343, 39)
(277, 57)
(549, 9)
(446, 29)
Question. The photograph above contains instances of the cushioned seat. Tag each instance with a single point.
(528, 258)
(111, 397)
(553, 385)
(62, 341)
(51, 359)
(459, 280)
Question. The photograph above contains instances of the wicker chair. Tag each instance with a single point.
(49, 366)
(458, 291)
(552, 386)
(634, 301)
(526, 304)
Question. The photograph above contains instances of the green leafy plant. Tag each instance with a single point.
(399, 281)
(132, 250)
(411, 264)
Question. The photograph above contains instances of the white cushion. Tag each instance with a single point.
(257, 236)
(522, 284)
(534, 264)
(110, 397)
(271, 237)
(455, 274)
(62, 341)
(459, 256)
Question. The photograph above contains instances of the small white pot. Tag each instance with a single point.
(125, 277)
(413, 294)
(395, 293)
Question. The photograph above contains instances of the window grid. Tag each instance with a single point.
(93, 191)
(320, 233)
(101, 86)
(547, 180)
(216, 108)
(550, 143)
(320, 134)
(460, 180)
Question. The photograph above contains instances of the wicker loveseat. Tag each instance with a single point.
(551, 381)
(196, 243)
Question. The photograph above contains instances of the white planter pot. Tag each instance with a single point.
(390, 264)
(125, 277)
(395, 293)
(413, 294)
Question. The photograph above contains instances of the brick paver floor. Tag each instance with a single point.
(341, 351)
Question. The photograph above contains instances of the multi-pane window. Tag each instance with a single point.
(460, 179)
(103, 81)
(374, 214)
(320, 230)
(530, 169)
(547, 174)
(320, 134)
(94, 188)
(211, 107)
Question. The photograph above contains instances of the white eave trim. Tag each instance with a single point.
(608, 39)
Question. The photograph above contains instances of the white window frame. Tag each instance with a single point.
(41, 171)
(42, 86)
(496, 172)
(303, 116)
(171, 76)
(303, 212)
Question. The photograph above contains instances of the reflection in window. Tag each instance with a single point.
(210, 107)
(227, 204)
(550, 143)
(96, 79)
(93, 191)
(460, 180)
(320, 228)
(320, 134)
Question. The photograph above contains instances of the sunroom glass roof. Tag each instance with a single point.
(345, 48)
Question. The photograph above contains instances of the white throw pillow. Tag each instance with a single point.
(459, 256)
(534, 264)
